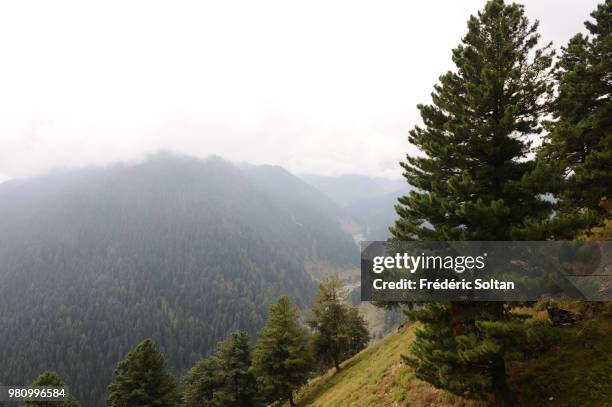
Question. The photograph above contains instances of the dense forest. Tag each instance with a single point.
(238, 373)
(176, 249)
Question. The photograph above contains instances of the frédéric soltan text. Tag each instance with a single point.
(442, 284)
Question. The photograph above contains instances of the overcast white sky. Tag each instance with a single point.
(327, 87)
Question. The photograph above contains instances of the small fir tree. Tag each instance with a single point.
(281, 361)
(200, 383)
(49, 378)
(224, 379)
(358, 332)
(339, 330)
(141, 379)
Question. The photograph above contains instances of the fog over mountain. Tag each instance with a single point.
(368, 201)
(178, 249)
(250, 81)
(350, 189)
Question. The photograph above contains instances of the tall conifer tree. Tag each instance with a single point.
(579, 143)
(281, 361)
(141, 379)
(469, 181)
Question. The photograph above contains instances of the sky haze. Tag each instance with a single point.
(323, 87)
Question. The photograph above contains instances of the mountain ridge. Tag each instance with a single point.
(175, 248)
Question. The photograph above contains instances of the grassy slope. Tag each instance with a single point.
(374, 377)
(576, 372)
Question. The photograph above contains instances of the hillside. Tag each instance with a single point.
(313, 210)
(576, 371)
(177, 249)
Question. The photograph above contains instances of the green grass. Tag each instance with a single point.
(576, 371)
(375, 377)
(363, 380)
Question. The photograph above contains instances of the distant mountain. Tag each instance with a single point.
(178, 249)
(349, 189)
(376, 214)
(292, 190)
(310, 208)
(370, 202)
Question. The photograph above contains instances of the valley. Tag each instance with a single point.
(92, 261)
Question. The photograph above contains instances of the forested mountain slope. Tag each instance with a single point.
(309, 208)
(177, 249)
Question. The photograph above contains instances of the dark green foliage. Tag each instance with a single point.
(471, 186)
(475, 132)
(51, 379)
(141, 379)
(200, 383)
(339, 330)
(578, 148)
(176, 249)
(357, 329)
(225, 378)
(281, 361)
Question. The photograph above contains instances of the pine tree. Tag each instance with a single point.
(281, 361)
(339, 330)
(358, 333)
(49, 378)
(224, 379)
(200, 383)
(239, 387)
(328, 320)
(141, 379)
(579, 144)
(470, 186)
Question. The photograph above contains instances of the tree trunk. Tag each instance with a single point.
(337, 365)
(456, 325)
(291, 402)
(503, 397)
(501, 392)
